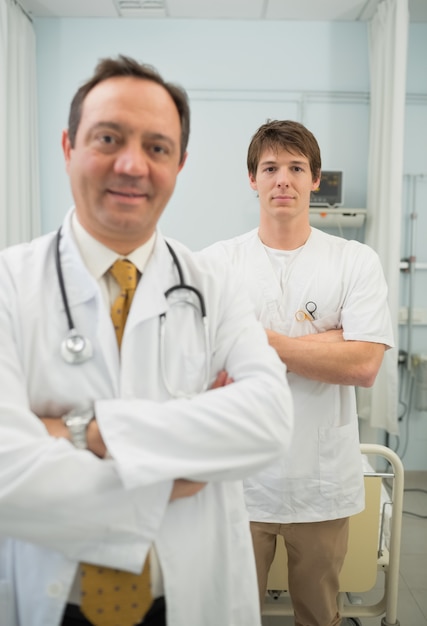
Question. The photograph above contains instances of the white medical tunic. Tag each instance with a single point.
(60, 505)
(321, 477)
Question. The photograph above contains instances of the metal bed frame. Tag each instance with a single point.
(367, 554)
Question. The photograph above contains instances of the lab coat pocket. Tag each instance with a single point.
(186, 374)
(327, 322)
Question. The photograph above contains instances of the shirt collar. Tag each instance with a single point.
(98, 258)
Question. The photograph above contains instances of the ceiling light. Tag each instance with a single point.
(141, 8)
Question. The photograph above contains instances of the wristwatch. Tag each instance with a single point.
(77, 422)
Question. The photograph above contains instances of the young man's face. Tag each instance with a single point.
(284, 182)
(125, 160)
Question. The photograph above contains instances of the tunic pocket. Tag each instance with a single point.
(340, 461)
(328, 322)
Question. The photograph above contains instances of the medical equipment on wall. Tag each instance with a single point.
(412, 366)
(77, 349)
(330, 190)
(419, 364)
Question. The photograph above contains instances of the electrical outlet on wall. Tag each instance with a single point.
(419, 316)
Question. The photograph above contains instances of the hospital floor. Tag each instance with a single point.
(412, 596)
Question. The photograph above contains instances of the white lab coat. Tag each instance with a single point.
(60, 506)
(321, 478)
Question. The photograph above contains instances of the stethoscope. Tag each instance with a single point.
(308, 314)
(162, 330)
(77, 349)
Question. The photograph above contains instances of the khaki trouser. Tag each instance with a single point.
(316, 552)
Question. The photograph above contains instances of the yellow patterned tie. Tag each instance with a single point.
(126, 275)
(112, 597)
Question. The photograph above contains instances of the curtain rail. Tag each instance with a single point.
(19, 5)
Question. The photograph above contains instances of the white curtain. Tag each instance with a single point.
(388, 37)
(19, 180)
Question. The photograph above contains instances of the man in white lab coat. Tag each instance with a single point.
(323, 302)
(115, 448)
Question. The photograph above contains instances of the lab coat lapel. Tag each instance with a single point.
(79, 284)
(83, 290)
(149, 300)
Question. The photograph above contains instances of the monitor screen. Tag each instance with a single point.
(329, 192)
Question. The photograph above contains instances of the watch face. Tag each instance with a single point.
(77, 421)
(82, 416)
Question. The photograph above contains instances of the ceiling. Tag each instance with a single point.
(325, 10)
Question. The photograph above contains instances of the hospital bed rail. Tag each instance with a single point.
(367, 530)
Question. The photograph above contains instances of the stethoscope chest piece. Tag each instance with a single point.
(75, 348)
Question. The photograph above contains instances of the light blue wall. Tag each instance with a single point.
(238, 74)
(266, 59)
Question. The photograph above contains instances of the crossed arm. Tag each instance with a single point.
(328, 358)
(182, 488)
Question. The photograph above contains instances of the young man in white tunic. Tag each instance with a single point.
(323, 302)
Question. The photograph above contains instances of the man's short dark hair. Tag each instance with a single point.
(126, 66)
(284, 135)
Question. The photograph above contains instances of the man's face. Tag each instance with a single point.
(284, 182)
(125, 160)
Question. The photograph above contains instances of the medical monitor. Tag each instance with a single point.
(330, 191)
